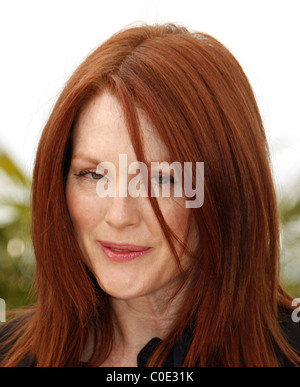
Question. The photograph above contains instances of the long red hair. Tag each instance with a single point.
(201, 103)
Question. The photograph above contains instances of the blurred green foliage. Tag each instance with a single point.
(17, 256)
(16, 252)
(289, 212)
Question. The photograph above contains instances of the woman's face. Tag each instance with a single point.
(102, 223)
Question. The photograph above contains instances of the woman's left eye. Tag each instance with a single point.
(164, 179)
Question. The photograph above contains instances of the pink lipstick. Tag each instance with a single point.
(123, 252)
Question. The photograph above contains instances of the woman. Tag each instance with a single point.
(145, 280)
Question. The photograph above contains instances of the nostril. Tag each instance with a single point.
(122, 213)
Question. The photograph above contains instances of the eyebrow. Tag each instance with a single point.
(83, 157)
(93, 160)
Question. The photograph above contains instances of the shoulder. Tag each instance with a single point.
(7, 331)
(7, 340)
(290, 327)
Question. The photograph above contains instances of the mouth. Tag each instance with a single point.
(123, 252)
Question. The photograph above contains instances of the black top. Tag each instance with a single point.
(177, 355)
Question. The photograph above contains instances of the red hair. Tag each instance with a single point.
(201, 103)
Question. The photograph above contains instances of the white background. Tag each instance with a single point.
(43, 41)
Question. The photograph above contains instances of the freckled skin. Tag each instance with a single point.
(100, 133)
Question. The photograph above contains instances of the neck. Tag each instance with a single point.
(138, 320)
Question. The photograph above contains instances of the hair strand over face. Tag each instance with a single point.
(200, 101)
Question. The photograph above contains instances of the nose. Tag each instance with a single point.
(122, 212)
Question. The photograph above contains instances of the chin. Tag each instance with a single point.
(121, 289)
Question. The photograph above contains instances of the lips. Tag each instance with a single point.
(122, 252)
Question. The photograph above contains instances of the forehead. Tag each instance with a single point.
(101, 127)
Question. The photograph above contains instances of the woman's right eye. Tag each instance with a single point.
(93, 175)
(96, 176)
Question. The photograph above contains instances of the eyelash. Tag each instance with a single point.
(87, 172)
(165, 176)
(84, 173)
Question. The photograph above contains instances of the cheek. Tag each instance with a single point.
(177, 218)
(84, 210)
